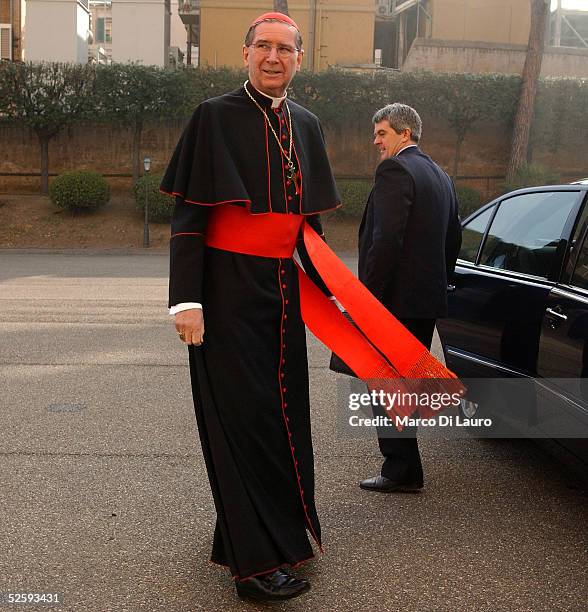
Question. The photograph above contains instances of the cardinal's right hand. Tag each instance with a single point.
(190, 326)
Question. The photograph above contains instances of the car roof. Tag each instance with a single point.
(578, 186)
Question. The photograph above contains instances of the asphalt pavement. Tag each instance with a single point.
(104, 498)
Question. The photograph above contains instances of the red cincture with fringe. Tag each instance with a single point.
(381, 351)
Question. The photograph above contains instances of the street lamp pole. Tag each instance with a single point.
(147, 167)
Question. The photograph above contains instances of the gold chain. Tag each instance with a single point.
(288, 156)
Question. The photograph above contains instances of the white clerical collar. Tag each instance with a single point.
(406, 147)
(275, 101)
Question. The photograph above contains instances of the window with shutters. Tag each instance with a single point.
(100, 30)
(5, 41)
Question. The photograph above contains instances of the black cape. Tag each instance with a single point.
(213, 163)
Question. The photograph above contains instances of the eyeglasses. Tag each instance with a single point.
(283, 51)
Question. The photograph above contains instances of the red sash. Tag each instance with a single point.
(382, 352)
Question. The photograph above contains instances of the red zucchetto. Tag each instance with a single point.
(277, 17)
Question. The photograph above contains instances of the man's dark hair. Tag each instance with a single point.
(400, 117)
(251, 33)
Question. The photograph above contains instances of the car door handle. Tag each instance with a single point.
(553, 313)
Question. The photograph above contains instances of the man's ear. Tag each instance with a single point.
(299, 59)
(245, 55)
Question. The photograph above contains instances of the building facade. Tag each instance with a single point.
(12, 18)
(57, 31)
(333, 31)
(480, 36)
(100, 46)
(141, 31)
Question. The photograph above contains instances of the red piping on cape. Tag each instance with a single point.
(186, 234)
(248, 202)
(300, 172)
(282, 156)
(269, 170)
(181, 195)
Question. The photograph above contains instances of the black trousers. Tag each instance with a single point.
(402, 459)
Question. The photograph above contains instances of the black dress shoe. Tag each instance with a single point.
(274, 586)
(381, 484)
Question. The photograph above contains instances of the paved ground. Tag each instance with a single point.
(104, 497)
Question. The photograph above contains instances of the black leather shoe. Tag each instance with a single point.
(275, 586)
(381, 484)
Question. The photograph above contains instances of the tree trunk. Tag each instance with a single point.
(281, 6)
(457, 156)
(530, 77)
(44, 142)
(137, 129)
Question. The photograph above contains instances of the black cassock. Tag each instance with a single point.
(250, 377)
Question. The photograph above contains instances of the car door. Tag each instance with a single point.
(501, 286)
(563, 349)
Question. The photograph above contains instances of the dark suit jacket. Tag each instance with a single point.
(410, 236)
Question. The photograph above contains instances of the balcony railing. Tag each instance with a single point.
(189, 11)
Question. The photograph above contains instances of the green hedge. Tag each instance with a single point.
(354, 194)
(468, 199)
(338, 97)
(161, 206)
(79, 190)
(532, 175)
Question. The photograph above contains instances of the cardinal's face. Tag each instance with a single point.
(272, 58)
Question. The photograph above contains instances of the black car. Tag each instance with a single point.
(518, 313)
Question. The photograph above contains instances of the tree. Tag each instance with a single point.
(531, 71)
(464, 100)
(45, 97)
(131, 94)
(281, 6)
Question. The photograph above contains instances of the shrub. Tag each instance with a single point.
(354, 195)
(79, 190)
(532, 175)
(468, 199)
(161, 206)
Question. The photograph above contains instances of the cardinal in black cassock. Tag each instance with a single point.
(251, 152)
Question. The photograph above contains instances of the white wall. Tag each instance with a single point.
(139, 32)
(178, 29)
(83, 28)
(56, 31)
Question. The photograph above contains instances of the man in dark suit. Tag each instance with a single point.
(409, 239)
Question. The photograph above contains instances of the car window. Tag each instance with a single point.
(526, 231)
(472, 235)
(580, 275)
(579, 230)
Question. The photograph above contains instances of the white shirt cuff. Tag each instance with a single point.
(184, 306)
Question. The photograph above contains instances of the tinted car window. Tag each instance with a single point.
(526, 231)
(472, 235)
(580, 276)
(581, 225)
